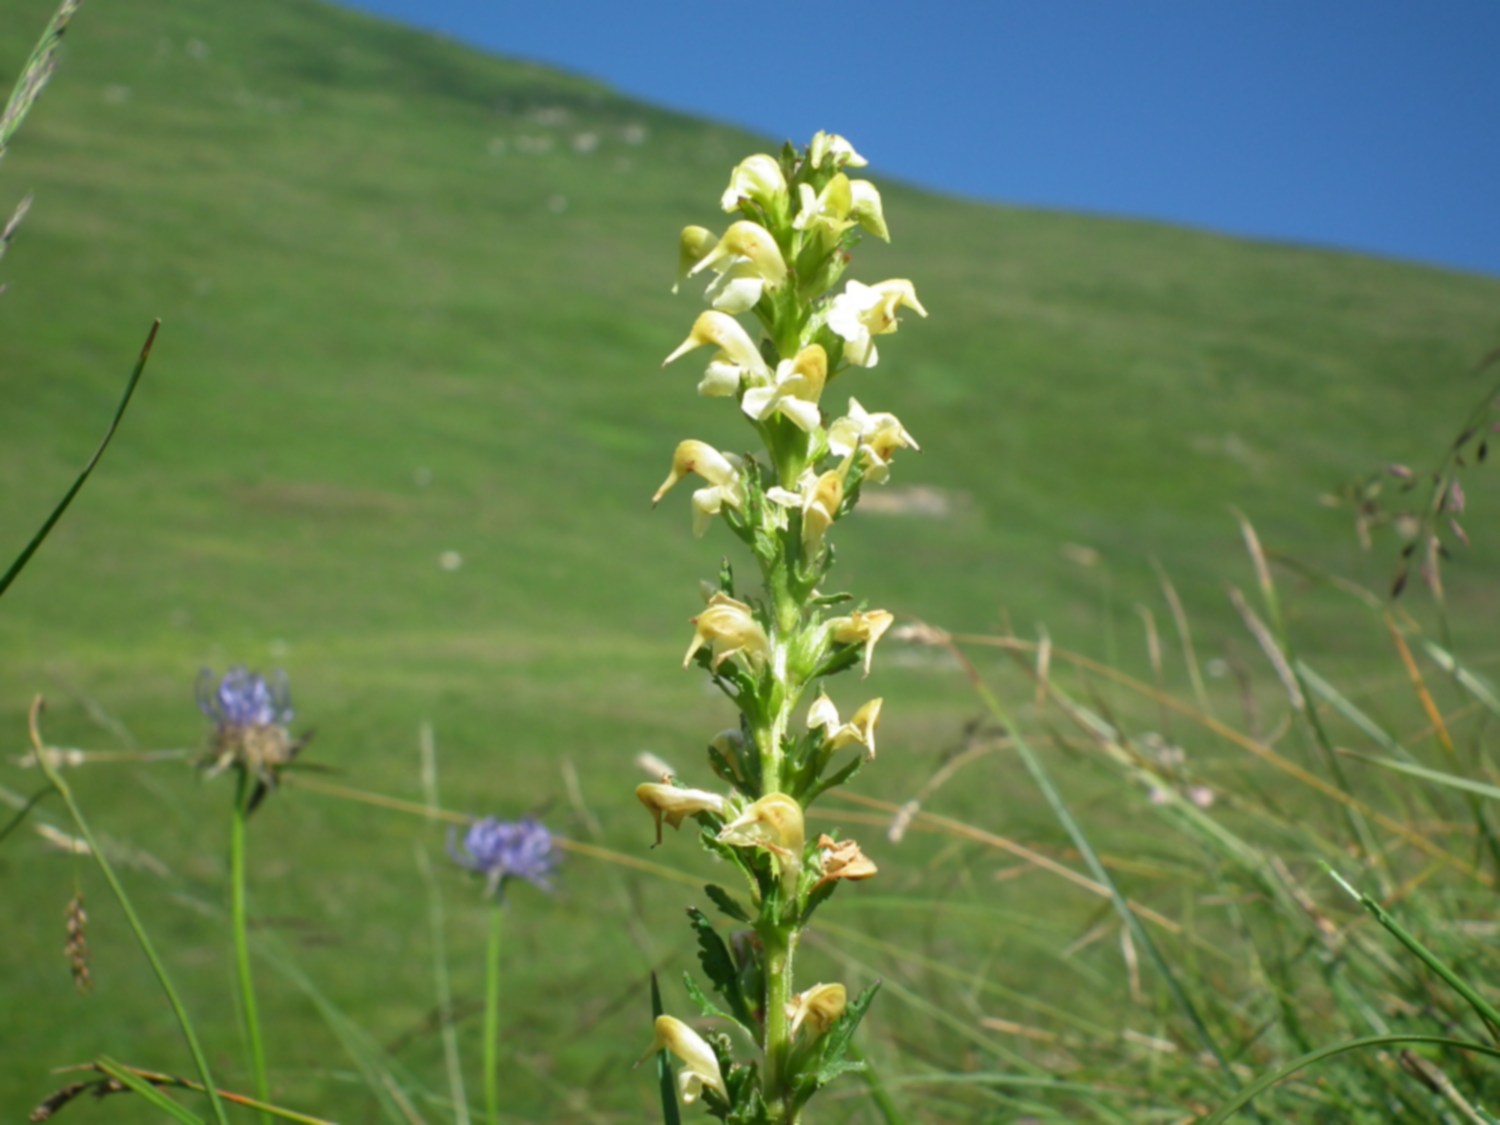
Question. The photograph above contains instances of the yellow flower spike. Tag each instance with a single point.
(862, 312)
(841, 859)
(862, 627)
(818, 1007)
(793, 391)
(866, 207)
(692, 244)
(728, 627)
(751, 242)
(775, 823)
(877, 435)
(826, 146)
(757, 178)
(700, 1067)
(671, 804)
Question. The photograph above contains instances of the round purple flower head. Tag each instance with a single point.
(505, 849)
(244, 699)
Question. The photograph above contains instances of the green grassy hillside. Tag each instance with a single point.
(415, 301)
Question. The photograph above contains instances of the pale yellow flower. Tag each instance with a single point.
(793, 391)
(700, 1067)
(692, 244)
(826, 211)
(877, 436)
(774, 823)
(722, 470)
(827, 146)
(737, 357)
(728, 627)
(865, 205)
(818, 1007)
(671, 804)
(859, 729)
(818, 497)
(747, 261)
(862, 312)
(862, 627)
(759, 179)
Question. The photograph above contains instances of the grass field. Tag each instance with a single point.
(415, 301)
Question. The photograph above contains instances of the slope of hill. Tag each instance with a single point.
(415, 302)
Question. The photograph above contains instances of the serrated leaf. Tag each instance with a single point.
(835, 1045)
(718, 964)
(727, 903)
(706, 1007)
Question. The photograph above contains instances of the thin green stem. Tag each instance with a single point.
(239, 927)
(492, 1014)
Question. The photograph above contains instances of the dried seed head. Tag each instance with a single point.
(77, 947)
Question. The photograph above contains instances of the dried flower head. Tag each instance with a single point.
(841, 859)
(506, 849)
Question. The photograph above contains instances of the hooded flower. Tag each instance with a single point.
(877, 436)
(737, 360)
(721, 470)
(506, 849)
(700, 1067)
(692, 245)
(859, 729)
(774, 823)
(748, 262)
(671, 804)
(818, 1007)
(831, 146)
(862, 312)
(758, 179)
(728, 628)
(793, 391)
(862, 627)
(818, 498)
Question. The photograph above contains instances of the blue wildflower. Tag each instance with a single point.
(244, 698)
(506, 849)
(250, 715)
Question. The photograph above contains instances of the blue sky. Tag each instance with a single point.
(1370, 125)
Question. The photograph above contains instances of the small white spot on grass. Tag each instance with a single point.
(557, 204)
(450, 560)
(585, 143)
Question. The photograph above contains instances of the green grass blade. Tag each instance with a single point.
(1262, 1084)
(1476, 685)
(34, 75)
(1436, 777)
(36, 540)
(147, 1091)
(670, 1114)
(1483, 1007)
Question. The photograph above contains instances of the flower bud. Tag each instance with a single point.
(818, 1007)
(757, 178)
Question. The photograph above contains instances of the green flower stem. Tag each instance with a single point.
(780, 941)
(239, 927)
(492, 1014)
